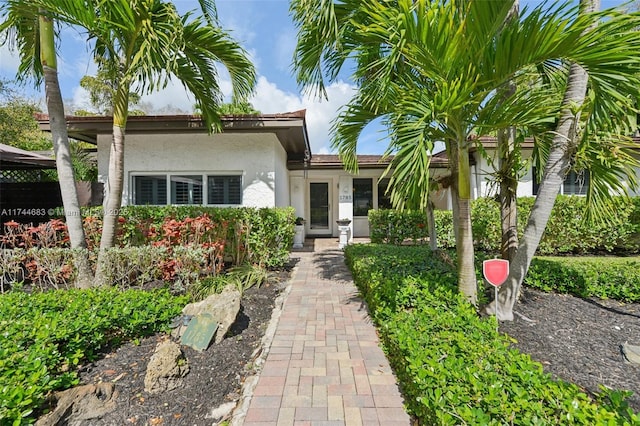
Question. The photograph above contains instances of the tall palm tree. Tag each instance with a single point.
(142, 44)
(431, 70)
(32, 30)
(584, 128)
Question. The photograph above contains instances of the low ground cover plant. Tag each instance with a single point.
(47, 335)
(48, 328)
(454, 367)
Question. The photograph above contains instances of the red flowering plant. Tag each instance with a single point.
(49, 234)
(12, 236)
(92, 231)
(198, 232)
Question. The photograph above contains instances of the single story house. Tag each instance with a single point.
(257, 161)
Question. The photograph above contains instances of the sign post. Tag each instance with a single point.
(495, 271)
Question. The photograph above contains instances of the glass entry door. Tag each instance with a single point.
(319, 208)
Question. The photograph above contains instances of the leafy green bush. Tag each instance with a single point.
(453, 367)
(567, 230)
(262, 236)
(46, 336)
(602, 277)
(395, 227)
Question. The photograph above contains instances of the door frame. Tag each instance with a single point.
(316, 231)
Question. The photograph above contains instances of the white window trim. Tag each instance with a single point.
(205, 184)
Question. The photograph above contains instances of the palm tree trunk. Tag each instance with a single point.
(467, 283)
(115, 180)
(508, 173)
(508, 193)
(431, 223)
(562, 149)
(58, 123)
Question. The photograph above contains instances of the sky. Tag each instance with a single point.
(265, 29)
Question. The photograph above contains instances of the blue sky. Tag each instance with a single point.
(266, 31)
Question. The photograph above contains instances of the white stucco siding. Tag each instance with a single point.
(486, 186)
(258, 157)
(282, 195)
(297, 193)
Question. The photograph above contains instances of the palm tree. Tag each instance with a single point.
(33, 30)
(141, 45)
(584, 128)
(431, 70)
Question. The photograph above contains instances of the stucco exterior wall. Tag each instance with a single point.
(282, 194)
(258, 157)
(484, 179)
(297, 192)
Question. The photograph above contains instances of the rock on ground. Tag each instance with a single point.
(79, 405)
(224, 308)
(166, 368)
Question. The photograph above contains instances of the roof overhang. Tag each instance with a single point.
(12, 158)
(290, 128)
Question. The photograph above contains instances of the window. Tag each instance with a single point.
(384, 202)
(574, 183)
(150, 190)
(362, 196)
(224, 190)
(186, 189)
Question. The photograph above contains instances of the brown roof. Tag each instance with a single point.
(331, 161)
(289, 127)
(365, 161)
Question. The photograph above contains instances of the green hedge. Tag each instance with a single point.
(45, 336)
(263, 236)
(566, 231)
(453, 367)
(602, 277)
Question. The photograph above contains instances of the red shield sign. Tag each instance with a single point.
(495, 271)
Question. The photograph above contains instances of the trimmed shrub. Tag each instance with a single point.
(453, 367)
(603, 277)
(261, 236)
(395, 227)
(54, 268)
(567, 231)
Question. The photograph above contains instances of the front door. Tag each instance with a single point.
(320, 208)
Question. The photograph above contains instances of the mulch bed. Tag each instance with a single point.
(215, 375)
(579, 340)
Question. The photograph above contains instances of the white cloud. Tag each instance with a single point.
(269, 99)
(80, 99)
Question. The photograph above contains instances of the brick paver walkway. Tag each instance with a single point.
(324, 365)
